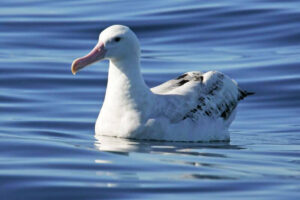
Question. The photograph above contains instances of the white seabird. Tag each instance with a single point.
(195, 106)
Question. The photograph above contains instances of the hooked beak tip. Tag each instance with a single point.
(73, 67)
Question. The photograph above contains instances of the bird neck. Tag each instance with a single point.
(125, 82)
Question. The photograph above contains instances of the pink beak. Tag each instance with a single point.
(98, 53)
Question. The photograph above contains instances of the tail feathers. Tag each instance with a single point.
(243, 94)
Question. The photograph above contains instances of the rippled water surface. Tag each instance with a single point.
(47, 115)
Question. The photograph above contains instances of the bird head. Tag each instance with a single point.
(115, 43)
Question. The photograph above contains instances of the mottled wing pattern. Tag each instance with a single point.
(217, 95)
(218, 98)
(173, 84)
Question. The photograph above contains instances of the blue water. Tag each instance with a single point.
(47, 115)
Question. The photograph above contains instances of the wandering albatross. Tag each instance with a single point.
(195, 106)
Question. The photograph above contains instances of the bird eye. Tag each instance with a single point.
(117, 39)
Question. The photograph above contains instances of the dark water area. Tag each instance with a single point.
(47, 115)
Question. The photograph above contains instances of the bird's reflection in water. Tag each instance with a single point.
(127, 146)
(138, 159)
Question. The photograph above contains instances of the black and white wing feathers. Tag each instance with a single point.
(196, 94)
